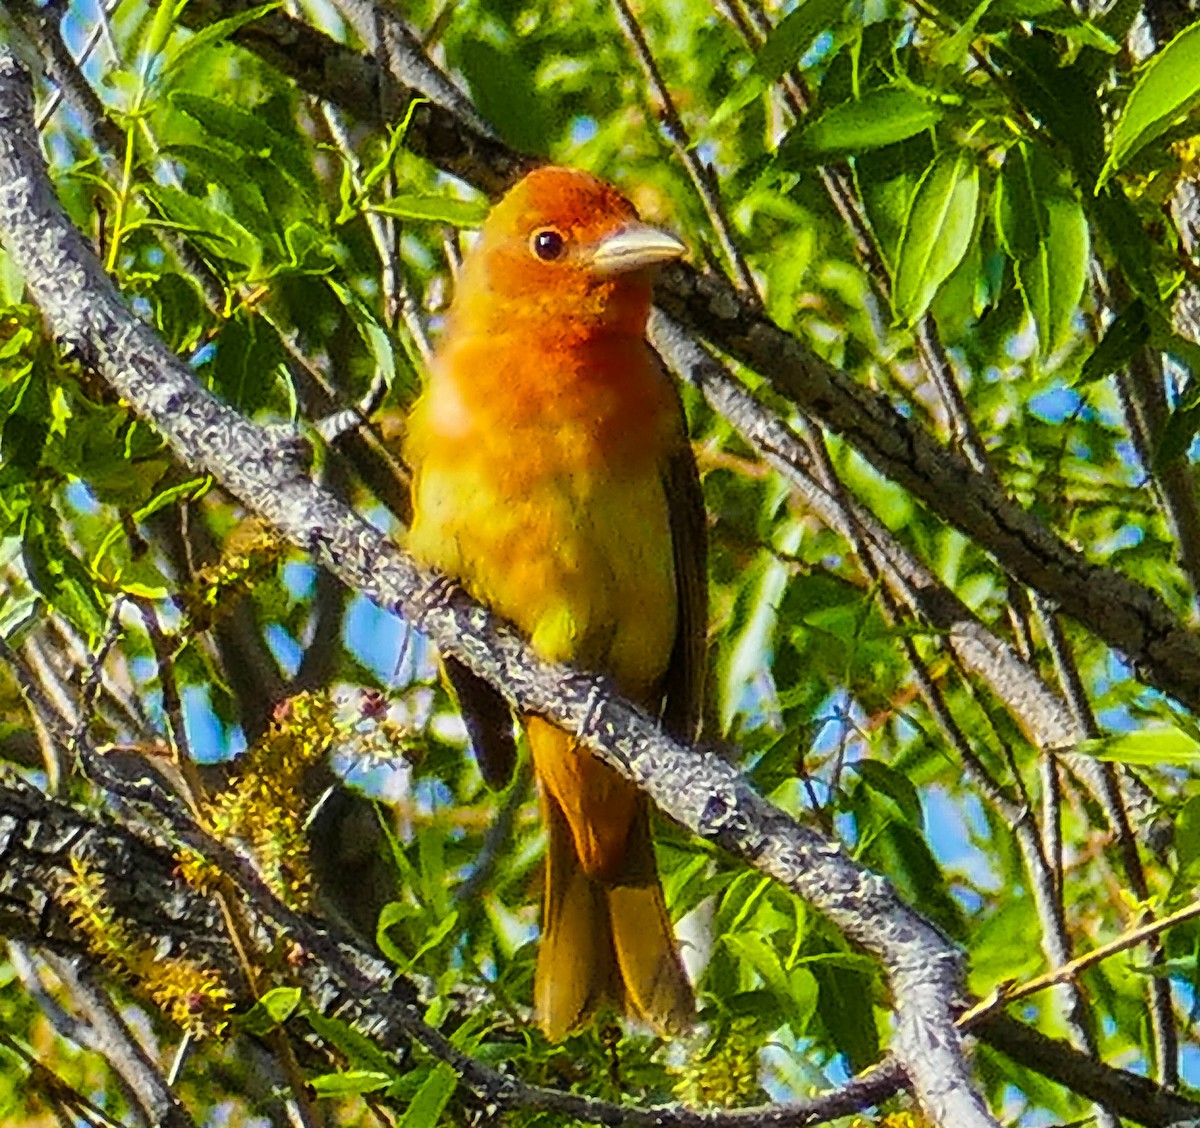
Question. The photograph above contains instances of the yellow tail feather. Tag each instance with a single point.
(606, 940)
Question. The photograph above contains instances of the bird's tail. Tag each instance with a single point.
(606, 941)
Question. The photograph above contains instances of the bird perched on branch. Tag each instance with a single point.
(553, 479)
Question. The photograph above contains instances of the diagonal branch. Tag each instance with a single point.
(113, 1038)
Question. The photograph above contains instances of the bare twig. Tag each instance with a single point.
(702, 176)
(101, 30)
(113, 1038)
(398, 300)
(1108, 787)
(1073, 969)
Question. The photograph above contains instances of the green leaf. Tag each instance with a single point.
(1124, 232)
(895, 786)
(781, 50)
(880, 117)
(791, 990)
(207, 222)
(211, 35)
(431, 1098)
(1116, 348)
(1043, 228)
(1168, 89)
(250, 133)
(358, 1048)
(502, 87)
(1065, 100)
(1052, 282)
(1177, 434)
(937, 232)
(394, 912)
(951, 52)
(380, 342)
(159, 29)
(381, 167)
(1021, 219)
(26, 430)
(58, 576)
(191, 490)
(350, 1082)
(272, 1010)
(1187, 851)
(435, 209)
(1160, 745)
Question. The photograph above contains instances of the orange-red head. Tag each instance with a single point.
(565, 256)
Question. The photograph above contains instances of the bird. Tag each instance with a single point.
(554, 480)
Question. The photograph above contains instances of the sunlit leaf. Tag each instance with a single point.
(880, 117)
(350, 1082)
(272, 1010)
(431, 1098)
(1146, 746)
(211, 35)
(1168, 89)
(936, 233)
(435, 209)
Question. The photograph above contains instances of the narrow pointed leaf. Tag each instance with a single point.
(937, 232)
(1168, 88)
(879, 117)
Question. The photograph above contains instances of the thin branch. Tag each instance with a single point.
(113, 1038)
(62, 1095)
(164, 656)
(102, 29)
(702, 176)
(398, 299)
(39, 836)
(401, 59)
(1041, 713)
(1162, 1023)
(389, 1006)
(1144, 405)
(1072, 970)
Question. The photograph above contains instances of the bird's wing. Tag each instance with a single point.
(489, 722)
(683, 685)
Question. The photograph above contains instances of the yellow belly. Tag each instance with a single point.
(582, 566)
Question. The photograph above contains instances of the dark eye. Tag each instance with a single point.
(548, 244)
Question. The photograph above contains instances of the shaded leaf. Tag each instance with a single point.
(1120, 342)
(781, 50)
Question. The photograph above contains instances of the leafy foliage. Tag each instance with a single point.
(1012, 167)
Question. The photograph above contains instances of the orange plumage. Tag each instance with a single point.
(553, 478)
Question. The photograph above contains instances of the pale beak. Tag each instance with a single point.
(634, 247)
